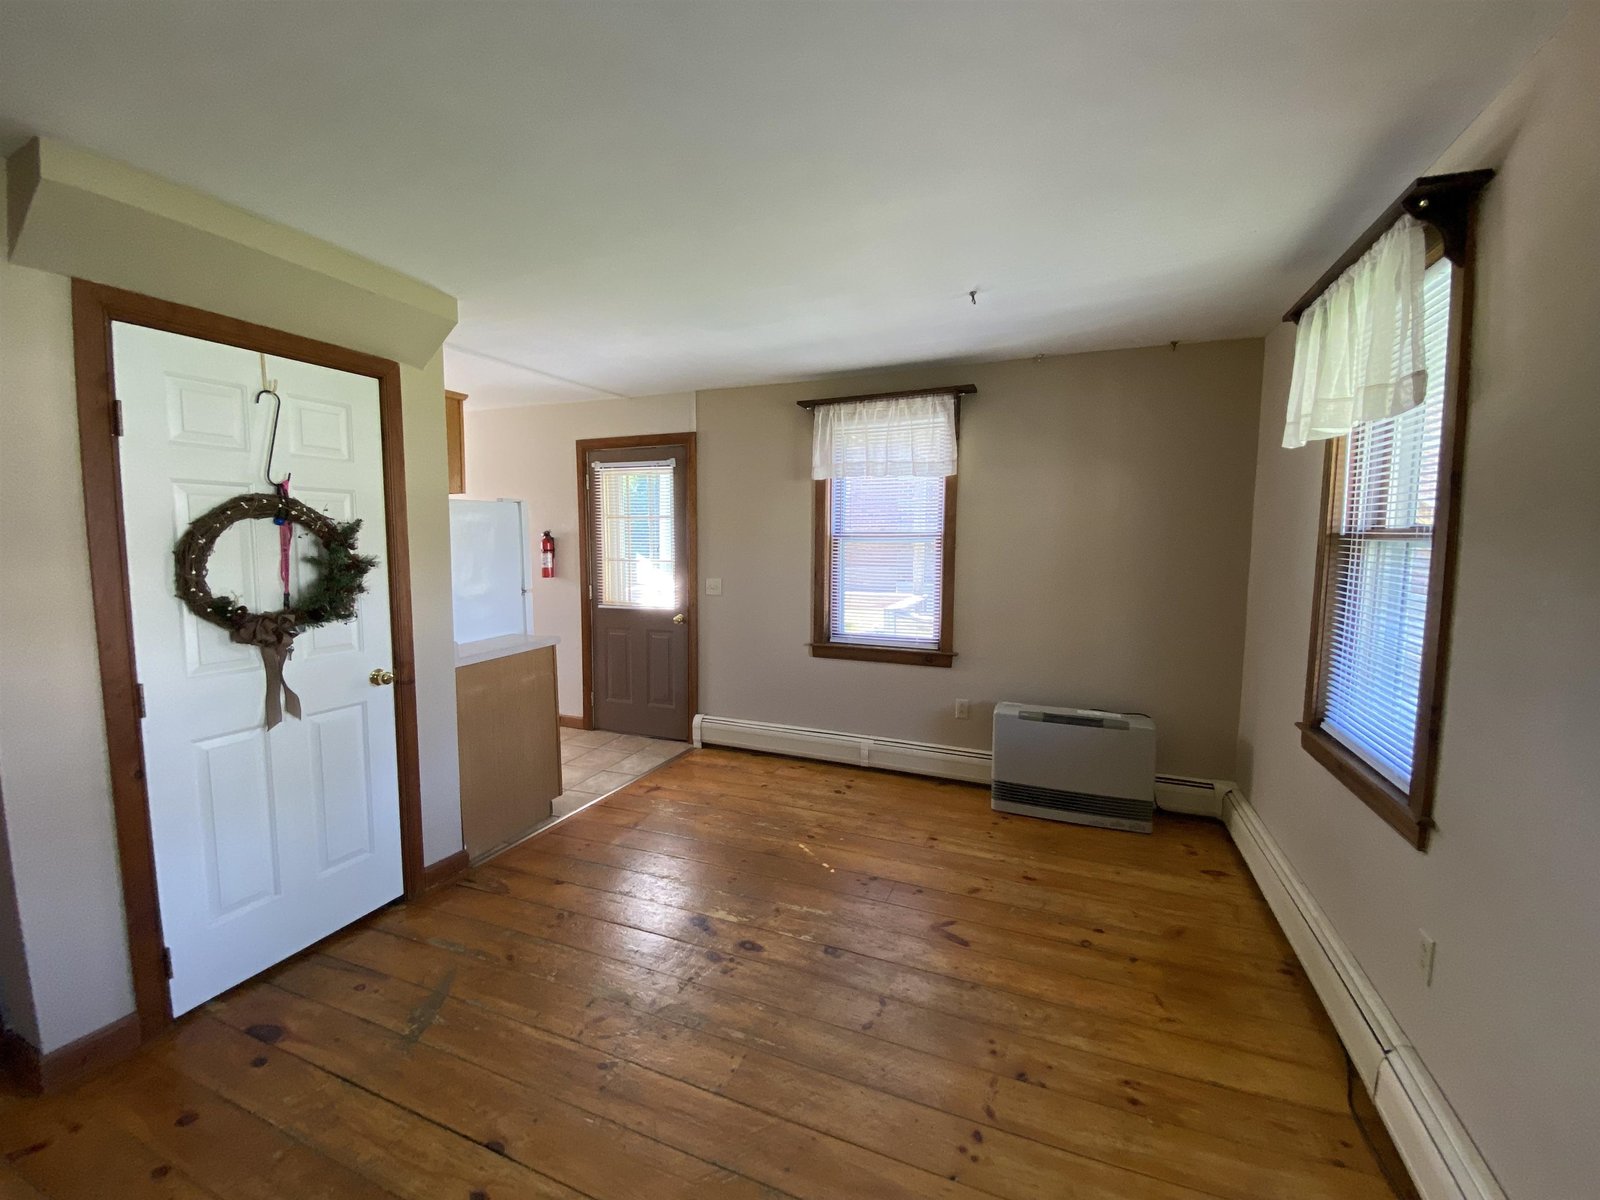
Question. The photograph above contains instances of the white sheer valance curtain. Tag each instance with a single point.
(1358, 353)
(881, 439)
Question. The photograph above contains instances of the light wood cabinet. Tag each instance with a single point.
(455, 440)
(510, 746)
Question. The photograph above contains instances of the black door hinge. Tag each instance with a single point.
(116, 417)
(166, 961)
(139, 692)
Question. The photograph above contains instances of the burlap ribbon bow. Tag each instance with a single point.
(273, 634)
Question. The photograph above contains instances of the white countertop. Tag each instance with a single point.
(500, 647)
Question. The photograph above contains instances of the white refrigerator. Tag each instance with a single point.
(491, 569)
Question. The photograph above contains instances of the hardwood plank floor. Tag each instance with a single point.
(746, 976)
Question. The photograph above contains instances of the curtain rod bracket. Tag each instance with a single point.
(1447, 207)
(1443, 202)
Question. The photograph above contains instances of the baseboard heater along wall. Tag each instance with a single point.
(1443, 1162)
(1174, 793)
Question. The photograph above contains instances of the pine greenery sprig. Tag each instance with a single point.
(340, 580)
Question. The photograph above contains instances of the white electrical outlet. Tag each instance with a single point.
(714, 586)
(1425, 957)
(963, 709)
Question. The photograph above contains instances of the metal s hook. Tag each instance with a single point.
(269, 387)
(272, 440)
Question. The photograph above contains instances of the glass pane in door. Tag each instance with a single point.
(637, 558)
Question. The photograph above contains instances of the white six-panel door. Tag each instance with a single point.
(265, 841)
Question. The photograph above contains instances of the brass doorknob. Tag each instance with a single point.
(380, 677)
(678, 619)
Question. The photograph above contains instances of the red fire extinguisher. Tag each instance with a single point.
(547, 556)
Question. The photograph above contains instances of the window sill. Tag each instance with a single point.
(886, 654)
(1371, 788)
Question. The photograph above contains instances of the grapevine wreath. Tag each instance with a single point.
(329, 599)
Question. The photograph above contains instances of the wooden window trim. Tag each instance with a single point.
(823, 646)
(1450, 211)
(957, 390)
(1444, 203)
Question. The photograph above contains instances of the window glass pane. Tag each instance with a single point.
(636, 559)
(1380, 557)
(1374, 668)
(886, 573)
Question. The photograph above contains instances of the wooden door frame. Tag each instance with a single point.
(692, 601)
(94, 308)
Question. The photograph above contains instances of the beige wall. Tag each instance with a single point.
(53, 763)
(432, 623)
(53, 767)
(16, 999)
(529, 453)
(1509, 886)
(1102, 543)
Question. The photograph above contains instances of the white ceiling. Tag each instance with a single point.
(632, 198)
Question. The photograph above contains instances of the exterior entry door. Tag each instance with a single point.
(640, 588)
(265, 840)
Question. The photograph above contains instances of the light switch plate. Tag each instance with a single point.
(714, 586)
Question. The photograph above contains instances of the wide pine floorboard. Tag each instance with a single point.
(747, 976)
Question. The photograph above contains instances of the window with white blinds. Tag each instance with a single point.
(1379, 559)
(886, 561)
(636, 559)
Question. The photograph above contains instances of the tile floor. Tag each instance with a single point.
(595, 763)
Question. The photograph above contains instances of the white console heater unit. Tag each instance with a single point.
(1075, 764)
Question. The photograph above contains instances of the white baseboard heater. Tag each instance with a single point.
(1075, 764)
(887, 754)
(1174, 793)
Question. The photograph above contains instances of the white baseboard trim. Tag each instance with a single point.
(1196, 797)
(1353, 1005)
(1174, 793)
(1436, 1148)
(890, 754)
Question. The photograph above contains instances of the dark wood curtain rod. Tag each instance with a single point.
(960, 389)
(1442, 201)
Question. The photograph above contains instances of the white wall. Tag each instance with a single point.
(1102, 540)
(530, 453)
(1509, 885)
(54, 777)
